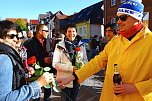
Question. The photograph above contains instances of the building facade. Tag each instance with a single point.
(111, 6)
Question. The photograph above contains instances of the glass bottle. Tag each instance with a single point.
(116, 77)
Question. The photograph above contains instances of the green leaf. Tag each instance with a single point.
(46, 69)
(38, 63)
(54, 83)
(37, 66)
(48, 86)
(57, 89)
(38, 72)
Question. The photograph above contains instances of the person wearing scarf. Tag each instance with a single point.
(64, 59)
(131, 51)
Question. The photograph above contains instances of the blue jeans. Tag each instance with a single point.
(70, 94)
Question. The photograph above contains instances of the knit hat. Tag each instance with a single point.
(133, 8)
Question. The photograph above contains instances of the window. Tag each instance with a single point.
(113, 2)
(122, 1)
(113, 20)
(80, 31)
(84, 31)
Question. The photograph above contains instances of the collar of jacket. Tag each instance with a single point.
(62, 44)
(141, 34)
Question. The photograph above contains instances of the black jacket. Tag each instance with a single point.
(35, 48)
(18, 67)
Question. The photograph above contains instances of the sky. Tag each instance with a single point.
(30, 9)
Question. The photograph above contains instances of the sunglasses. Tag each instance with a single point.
(20, 37)
(122, 17)
(45, 31)
(12, 36)
(109, 30)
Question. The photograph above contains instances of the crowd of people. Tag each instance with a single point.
(14, 86)
(128, 45)
(130, 50)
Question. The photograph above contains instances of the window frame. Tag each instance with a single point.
(113, 20)
(113, 2)
(122, 1)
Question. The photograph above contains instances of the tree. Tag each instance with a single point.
(21, 25)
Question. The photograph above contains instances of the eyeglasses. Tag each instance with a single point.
(12, 35)
(45, 31)
(122, 17)
(20, 37)
(109, 30)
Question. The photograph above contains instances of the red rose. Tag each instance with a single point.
(31, 60)
(77, 49)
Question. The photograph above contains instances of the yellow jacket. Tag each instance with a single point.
(134, 59)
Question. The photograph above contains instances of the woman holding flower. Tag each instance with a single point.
(68, 56)
(12, 75)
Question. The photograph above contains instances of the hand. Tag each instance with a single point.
(30, 71)
(44, 79)
(64, 81)
(47, 60)
(124, 89)
(74, 68)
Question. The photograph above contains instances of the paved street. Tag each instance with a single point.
(90, 89)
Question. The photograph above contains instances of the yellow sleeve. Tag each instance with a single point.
(145, 88)
(93, 66)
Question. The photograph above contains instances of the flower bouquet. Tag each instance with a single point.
(39, 71)
(78, 58)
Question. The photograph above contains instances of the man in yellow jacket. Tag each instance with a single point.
(132, 51)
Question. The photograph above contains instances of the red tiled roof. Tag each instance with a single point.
(34, 22)
(14, 19)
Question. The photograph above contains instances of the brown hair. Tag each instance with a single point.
(113, 26)
(5, 27)
(39, 27)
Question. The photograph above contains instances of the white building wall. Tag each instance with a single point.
(95, 30)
